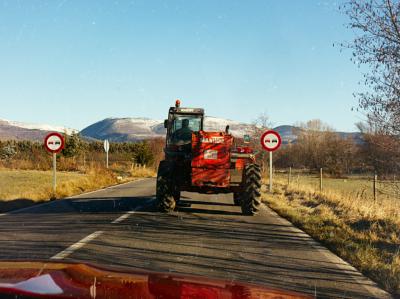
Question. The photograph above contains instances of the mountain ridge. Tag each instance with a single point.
(133, 129)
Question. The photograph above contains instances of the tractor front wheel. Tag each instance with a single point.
(251, 194)
(164, 189)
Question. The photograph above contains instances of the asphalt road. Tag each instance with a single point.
(207, 236)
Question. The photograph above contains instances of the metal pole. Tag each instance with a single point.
(270, 171)
(107, 159)
(54, 173)
(320, 179)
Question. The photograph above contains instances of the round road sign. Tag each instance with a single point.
(54, 142)
(271, 140)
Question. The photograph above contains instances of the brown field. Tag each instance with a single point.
(22, 188)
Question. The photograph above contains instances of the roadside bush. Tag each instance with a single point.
(7, 152)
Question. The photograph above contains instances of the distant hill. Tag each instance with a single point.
(125, 129)
(11, 130)
(136, 129)
(288, 133)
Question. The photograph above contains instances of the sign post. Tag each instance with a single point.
(54, 173)
(270, 141)
(270, 171)
(54, 143)
(106, 149)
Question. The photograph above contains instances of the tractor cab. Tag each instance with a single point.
(181, 123)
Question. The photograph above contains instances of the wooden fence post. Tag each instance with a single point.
(374, 185)
(320, 179)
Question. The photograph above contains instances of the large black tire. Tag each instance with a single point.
(237, 198)
(177, 195)
(165, 188)
(251, 195)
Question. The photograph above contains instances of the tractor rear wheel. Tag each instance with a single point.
(251, 194)
(236, 198)
(164, 189)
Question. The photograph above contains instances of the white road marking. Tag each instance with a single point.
(65, 253)
(123, 217)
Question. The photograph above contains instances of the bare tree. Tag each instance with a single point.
(377, 46)
(319, 146)
(260, 125)
(380, 150)
(262, 121)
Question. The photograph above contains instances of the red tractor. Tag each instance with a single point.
(205, 162)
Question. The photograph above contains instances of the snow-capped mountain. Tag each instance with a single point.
(236, 128)
(42, 127)
(27, 131)
(125, 129)
(133, 129)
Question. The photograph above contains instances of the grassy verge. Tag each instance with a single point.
(363, 232)
(23, 188)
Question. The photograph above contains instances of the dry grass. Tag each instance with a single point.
(31, 184)
(142, 172)
(21, 188)
(361, 231)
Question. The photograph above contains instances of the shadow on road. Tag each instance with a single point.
(206, 211)
(112, 205)
(91, 205)
(211, 203)
(15, 204)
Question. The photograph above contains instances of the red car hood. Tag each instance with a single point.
(75, 280)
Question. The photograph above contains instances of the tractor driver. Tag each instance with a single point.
(184, 134)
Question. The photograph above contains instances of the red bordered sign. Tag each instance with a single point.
(270, 140)
(54, 142)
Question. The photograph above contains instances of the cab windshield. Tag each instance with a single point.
(182, 128)
(194, 122)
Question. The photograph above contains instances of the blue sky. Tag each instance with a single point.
(76, 62)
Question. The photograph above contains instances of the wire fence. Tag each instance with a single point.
(367, 186)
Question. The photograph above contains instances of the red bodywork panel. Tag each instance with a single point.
(60, 280)
(211, 159)
(240, 164)
(218, 177)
